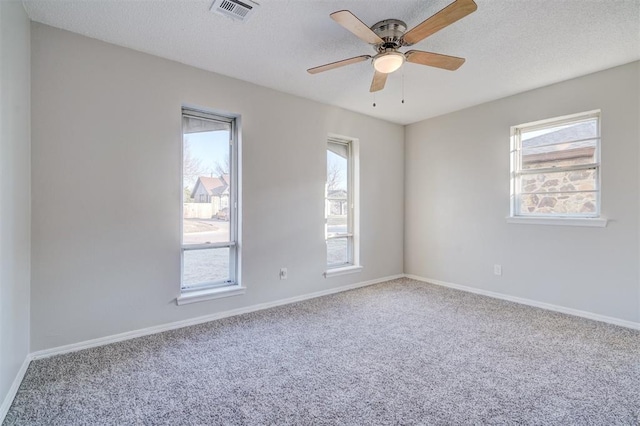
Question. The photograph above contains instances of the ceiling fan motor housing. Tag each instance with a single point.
(391, 31)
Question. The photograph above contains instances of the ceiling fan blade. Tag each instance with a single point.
(356, 26)
(447, 16)
(338, 64)
(379, 79)
(437, 60)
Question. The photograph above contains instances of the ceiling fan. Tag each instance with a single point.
(391, 34)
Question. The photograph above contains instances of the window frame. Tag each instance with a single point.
(517, 172)
(353, 209)
(219, 288)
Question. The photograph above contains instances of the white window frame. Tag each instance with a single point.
(223, 288)
(517, 172)
(353, 209)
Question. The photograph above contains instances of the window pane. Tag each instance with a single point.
(337, 224)
(205, 266)
(337, 203)
(338, 251)
(559, 155)
(336, 175)
(202, 231)
(575, 180)
(587, 129)
(206, 181)
(557, 146)
(338, 208)
(580, 203)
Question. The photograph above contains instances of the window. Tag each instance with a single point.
(341, 206)
(209, 234)
(555, 168)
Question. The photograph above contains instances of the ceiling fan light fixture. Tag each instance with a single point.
(388, 62)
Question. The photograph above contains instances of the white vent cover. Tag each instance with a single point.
(239, 10)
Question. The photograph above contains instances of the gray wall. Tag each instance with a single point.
(14, 191)
(106, 189)
(457, 198)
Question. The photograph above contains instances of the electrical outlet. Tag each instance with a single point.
(283, 273)
(497, 269)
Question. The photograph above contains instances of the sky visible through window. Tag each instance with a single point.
(336, 165)
(210, 148)
(535, 133)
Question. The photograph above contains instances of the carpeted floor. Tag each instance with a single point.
(401, 352)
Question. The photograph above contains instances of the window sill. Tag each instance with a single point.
(209, 293)
(598, 222)
(342, 271)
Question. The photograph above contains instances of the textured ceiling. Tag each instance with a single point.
(510, 45)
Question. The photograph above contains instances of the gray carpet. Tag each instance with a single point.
(401, 352)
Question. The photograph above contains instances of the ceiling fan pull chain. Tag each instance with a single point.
(374, 99)
(403, 86)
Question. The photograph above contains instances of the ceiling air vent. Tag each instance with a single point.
(234, 9)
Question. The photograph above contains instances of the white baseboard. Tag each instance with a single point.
(13, 390)
(529, 302)
(198, 320)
